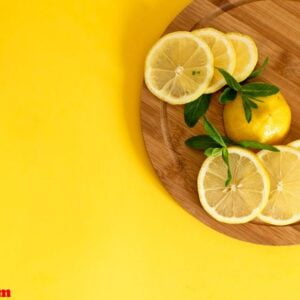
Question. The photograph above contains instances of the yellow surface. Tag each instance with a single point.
(270, 122)
(83, 215)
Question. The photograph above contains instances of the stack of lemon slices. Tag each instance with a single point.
(265, 186)
(182, 65)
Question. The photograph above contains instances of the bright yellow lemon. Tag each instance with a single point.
(270, 122)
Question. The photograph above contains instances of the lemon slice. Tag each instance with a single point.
(223, 53)
(247, 194)
(179, 68)
(283, 207)
(246, 55)
(295, 144)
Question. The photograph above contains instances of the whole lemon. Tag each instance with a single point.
(270, 122)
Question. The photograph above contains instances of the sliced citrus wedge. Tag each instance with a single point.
(223, 53)
(295, 144)
(283, 207)
(246, 55)
(247, 194)
(179, 68)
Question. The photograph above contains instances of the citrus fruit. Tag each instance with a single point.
(246, 55)
(283, 207)
(270, 121)
(179, 68)
(244, 198)
(223, 53)
(295, 144)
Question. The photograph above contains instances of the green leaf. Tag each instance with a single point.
(230, 80)
(258, 146)
(252, 104)
(213, 133)
(228, 95)
(214, 152)
(193, 111)
(259, 89)
(228, 141)
(256, 99)
(202, 142)
(247, 108)
(258, 71)
(225, 157)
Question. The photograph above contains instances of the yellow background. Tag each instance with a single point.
(83, 215)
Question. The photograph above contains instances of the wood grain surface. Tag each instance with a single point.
(275, 26)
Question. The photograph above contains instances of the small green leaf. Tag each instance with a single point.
(252, 104)
(225, 157)
(258, 146)
(247, 108)
(214, 152)
(193, 111)
(256, 99)
(259, 71)
(259, 89)
(228, 95)
(230, 80)
(201, 142)
(213, 133)
(228, 141)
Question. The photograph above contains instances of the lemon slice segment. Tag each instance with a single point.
(283, 207)
(295, 144)
(247, 194)
(246, 55)
(223, 53)
(179, 68)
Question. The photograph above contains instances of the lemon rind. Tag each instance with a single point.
(295, 144)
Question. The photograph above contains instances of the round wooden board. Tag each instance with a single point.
(275, 26)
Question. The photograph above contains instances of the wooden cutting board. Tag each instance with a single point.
(275, 26)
